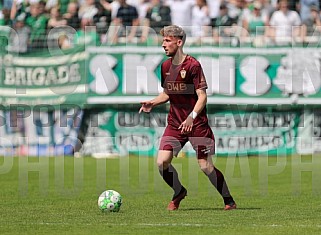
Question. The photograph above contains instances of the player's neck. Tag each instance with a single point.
(179, 58)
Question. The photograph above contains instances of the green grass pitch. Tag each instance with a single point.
(275, 195)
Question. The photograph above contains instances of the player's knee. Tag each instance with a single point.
(164, 159)
(206, 167)
(161, 164)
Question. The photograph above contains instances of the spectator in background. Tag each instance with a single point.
(63, 6)
(5, 7)
(282, 23)
(56, 19)
(88, 10)
(235, 10)
(214, 10)
(312, 25)
(5, 20)
(126, 23)
(200, 20)
(267, 8)
(42, 7)
(18, 7)
(17, 10)
(158, 15)
(20, 36)
(50, 4)
(293, 5)
(37, 21)
(6, 16)
(222, 24)
(142, 7)
(305, 8)
(6, 4)
(2, 21)
(102, 19)
(112, 6)
(72, 15)
(181, 13)
(255, 21)
(87, 34)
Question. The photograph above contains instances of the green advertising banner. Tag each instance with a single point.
(47, 78)
(266, 76)
(121, 132)
(129, 74)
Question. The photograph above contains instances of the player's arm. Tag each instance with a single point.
(148, 105)
(201, 102)
(187, 125)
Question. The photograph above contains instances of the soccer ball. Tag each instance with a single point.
(109, 201)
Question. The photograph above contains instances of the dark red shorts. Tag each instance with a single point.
(201, 138)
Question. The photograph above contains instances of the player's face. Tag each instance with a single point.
(171, 45)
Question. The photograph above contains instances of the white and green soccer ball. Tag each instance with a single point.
(110, 201)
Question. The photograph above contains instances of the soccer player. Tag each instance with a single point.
(185, 86)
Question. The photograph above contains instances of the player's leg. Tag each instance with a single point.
(204, 144)
(168, 171)
(170, 145)
(170, 176)
(216, 177)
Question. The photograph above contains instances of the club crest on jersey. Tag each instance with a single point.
(183, 73)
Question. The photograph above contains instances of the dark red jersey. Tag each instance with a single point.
(180, 82)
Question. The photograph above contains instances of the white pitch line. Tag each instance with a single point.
(182, 225)
(220, 225)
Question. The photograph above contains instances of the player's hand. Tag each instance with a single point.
(186, 126)
(146, 106)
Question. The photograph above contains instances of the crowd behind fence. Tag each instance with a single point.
(29, 25)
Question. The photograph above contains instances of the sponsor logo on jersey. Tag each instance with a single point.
(176, 86)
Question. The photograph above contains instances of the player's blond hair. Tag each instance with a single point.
(173, 31)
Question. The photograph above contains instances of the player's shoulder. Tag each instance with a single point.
(192, 61)
(167, 63)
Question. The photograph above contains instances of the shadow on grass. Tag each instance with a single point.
(218, 209)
